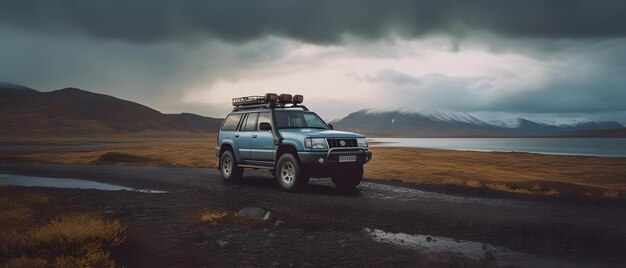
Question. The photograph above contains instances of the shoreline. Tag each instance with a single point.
(515, 172)
(521, 148)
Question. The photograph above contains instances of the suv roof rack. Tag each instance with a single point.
(269, 101)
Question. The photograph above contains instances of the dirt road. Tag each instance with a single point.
(377, 225)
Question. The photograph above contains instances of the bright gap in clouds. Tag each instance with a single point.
(425, 74)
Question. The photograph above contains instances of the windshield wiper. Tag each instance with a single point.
(301, 127)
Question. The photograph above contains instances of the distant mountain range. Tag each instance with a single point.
(72, 112)
(27, 112)
(440, 124)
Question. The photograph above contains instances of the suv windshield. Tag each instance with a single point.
(299, 119)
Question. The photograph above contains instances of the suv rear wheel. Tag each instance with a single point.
(229, 168)
(288, 173)
(348, 178)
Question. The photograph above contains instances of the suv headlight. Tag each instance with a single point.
(362, 142)
(315, 143)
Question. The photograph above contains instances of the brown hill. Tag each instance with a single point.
(75, 112)
(209, 124)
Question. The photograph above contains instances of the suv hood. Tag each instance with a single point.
(321, 133)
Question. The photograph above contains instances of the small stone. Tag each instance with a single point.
(279, 223)
(255, 213)
(201, 244)
(488, 257)
(204, 234)
(392, 260)
(222, 244)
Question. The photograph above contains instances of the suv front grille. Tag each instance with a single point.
(333, 143)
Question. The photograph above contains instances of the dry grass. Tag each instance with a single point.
(611, 194)
(563, 174)
(473, 183)
(179, 152)
(535, 190)
(438, 259)
(214, 217)
(30, 239)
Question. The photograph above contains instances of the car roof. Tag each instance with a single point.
(267, 110)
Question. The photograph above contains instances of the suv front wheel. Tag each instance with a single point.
(229, 168)
(288, 173)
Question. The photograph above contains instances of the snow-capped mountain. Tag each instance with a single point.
(453, 124)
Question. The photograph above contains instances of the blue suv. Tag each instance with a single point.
(276, 132)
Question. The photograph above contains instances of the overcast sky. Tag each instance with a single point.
(562, 60)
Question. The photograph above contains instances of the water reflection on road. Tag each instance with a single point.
(488, 253)
(31, 181)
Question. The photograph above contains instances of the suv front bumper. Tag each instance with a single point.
(331, 157)
(325, 164)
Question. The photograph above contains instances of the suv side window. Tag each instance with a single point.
(231, 122)
(250, 124)
(264, 117)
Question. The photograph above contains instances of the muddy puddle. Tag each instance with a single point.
(32, 181)
(389, 192)
(484, 252)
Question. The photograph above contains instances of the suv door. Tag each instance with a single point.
(229, 130)
(262, 141)
(244, 136)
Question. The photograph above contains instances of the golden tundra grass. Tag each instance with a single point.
(611, 194)
(213, 217)
(581, 175)
(28, 239)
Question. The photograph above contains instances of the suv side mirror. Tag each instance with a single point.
(265, 126)
(331, 126)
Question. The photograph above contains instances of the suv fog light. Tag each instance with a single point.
(321, 160)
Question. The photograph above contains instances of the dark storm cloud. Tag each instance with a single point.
(322, 21)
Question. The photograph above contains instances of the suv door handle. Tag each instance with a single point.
(236, 135)
(254, 135)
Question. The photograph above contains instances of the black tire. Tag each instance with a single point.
(228, 167)
(348, 178)
(289, 174)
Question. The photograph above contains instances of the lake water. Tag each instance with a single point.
(610, 147)
(33, 181)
